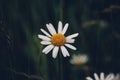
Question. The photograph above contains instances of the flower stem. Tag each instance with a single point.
(60, 10)
(60, 67)
(60, 61)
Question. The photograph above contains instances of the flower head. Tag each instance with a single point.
(79, 59)
(102, 77)
(57, 40)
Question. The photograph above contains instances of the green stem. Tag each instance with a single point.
(59, 60)
(61, 10)
(60, 67)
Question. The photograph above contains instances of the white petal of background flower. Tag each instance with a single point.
(55, 52)
(84, 58)
(102, 76)
(60, 27)
(70, 40)
(48, 48)
(89, 78)
(47, 34)
(109, 77)
(45, 42)
(64, 51)
(96, 76)
(65, 28)
(70, 46)
(44, 37)
(72, 36)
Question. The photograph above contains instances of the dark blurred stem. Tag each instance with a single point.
(11, 56)
(11, 66)
(60, 67)
(29, 76)
(61, 10)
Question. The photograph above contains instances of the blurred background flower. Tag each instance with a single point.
(101, 77)
(79, 59)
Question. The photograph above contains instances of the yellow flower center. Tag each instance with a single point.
(58, 39)
(80, 62)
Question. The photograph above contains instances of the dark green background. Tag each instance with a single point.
(96, 21)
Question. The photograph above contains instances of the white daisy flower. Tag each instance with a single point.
(56, 40)
(102, 77)
(79, 59)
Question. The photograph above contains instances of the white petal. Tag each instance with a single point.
(47, 49)
(55, 52)
(64, 51)
(109, 77)
(45, 42)
(102, 76)
(51, 29)
(70, 46)
(44, 37)
(89, 78)
(72, 36)
(70, 40)
(84, 58)
(96, 76)
(45, 33)
(60, 27)
(65, 28)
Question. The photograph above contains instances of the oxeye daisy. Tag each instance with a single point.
(102, 77)
(56, 40)
(79, 59)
